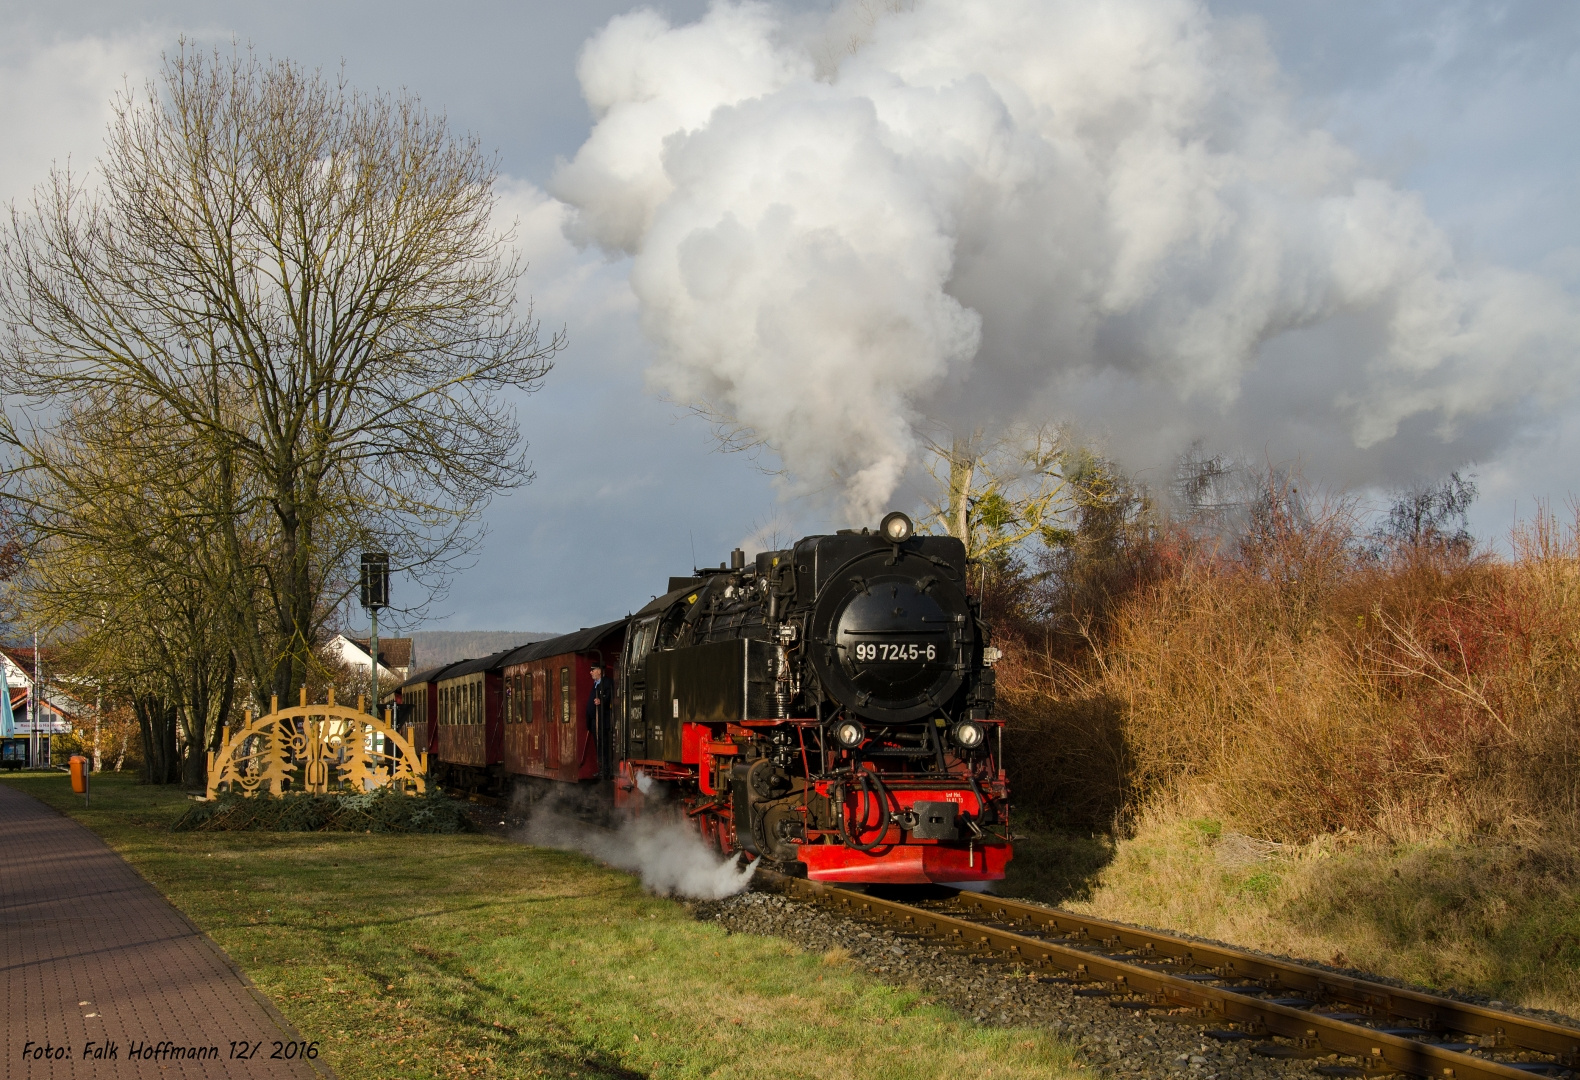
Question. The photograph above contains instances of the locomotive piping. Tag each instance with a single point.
(880, 794)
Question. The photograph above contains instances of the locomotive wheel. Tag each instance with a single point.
(773, 834)
(765, 781)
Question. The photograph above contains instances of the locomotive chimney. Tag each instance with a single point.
(737, 559)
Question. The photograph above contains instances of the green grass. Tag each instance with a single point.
(450, 956)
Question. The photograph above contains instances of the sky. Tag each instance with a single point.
(1455, 120)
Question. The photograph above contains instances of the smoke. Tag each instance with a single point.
(947, 211)
(669, 856)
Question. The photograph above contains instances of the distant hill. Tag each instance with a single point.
(435, 647)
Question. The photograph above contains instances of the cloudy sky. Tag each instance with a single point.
(1344, 234)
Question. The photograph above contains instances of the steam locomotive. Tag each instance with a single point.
(828, 708)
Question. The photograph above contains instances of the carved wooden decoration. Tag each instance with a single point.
(318, 748)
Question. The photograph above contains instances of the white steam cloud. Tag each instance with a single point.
(665, 853)
(1052, 209)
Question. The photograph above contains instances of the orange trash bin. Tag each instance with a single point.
(79, 774)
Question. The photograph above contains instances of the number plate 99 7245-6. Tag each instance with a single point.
(894, 652)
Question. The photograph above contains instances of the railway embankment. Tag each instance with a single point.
(1311, 740)
(1494, 918)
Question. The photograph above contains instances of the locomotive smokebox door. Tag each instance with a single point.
(891, 629)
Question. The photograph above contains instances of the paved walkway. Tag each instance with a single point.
(92, 958)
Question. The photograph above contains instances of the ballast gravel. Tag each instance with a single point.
(1114, 1041)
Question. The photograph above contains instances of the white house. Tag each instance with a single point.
(59, 712)
(395, 657)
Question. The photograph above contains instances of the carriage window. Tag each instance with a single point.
(526, 696)
(565, 695)
(472, 693)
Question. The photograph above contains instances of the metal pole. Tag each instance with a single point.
(34, 707)
(373, 647)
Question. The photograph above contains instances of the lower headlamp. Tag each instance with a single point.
(968, 735)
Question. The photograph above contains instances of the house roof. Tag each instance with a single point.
(22, 657)
(53, 694)
(394, 652)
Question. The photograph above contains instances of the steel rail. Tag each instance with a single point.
(1524, 1032)
(1332, 1034)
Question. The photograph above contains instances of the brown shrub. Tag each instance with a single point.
(1297, 685)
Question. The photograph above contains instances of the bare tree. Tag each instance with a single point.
(996, 492)
(302, 288)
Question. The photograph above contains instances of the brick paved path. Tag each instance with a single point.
(91, 953)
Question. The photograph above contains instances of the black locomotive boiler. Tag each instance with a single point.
(827, 707)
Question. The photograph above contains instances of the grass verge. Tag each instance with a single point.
(1483, 915)
(466, 955)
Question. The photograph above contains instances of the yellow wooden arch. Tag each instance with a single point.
(317, 748)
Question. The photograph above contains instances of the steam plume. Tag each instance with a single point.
(1058, 209)
(669, 857)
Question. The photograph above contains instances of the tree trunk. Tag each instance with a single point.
(156, 719)
(203, 731)
(962, 470)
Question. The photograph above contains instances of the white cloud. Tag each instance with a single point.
(55, 101)
(1104, 213)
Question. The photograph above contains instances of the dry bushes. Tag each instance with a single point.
(1296, 683)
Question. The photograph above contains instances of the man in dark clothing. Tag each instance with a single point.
(598, 703)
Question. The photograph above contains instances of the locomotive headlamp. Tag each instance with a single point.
(897, 528)
(849, 734)
(967, 735)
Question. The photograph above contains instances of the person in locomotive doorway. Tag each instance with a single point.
(598, 702)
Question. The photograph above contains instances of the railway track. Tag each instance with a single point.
(1284, 1008)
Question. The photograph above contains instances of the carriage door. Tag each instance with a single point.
(567, 717)
(550, 723)
(530, 719)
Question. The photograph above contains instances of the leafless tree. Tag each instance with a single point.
(301, 291)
